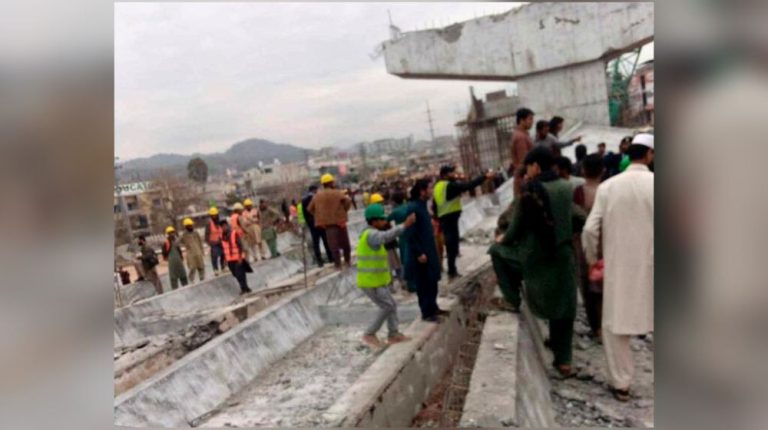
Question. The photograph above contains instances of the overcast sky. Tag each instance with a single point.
(198, 77)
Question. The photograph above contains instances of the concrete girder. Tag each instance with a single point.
(532, 39)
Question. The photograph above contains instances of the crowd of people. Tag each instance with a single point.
(573, 227)
(584, 226)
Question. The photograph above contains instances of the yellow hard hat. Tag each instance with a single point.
(376, 198)
(213, 211)
(248, 202)
(188, 221)
(170, 229)
(327, 178)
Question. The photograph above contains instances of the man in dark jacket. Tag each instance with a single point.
(149, 263)
(422, 266)
(447, 206)
(316, 233)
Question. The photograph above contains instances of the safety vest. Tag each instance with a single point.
(300, 214)
(372, 265)
(234, 223)
(440, 194)
(231, 250)
(215, 233)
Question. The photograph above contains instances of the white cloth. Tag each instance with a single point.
(618, 356)
(623, 214)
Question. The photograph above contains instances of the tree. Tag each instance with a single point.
(197, 171)
(177, 197)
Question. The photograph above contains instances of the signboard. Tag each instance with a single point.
(132, 189)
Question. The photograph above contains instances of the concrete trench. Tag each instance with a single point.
(295, 359)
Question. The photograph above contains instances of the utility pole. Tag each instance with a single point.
(431, 126)
(123, 208)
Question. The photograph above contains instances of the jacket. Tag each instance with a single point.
(329, 207)
(420, 240)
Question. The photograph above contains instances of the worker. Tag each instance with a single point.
(447, 206)
(233, 253)
(374, 274)
(330, 207)
(250, 219)
(193, 244)
(270, 219)
(376, 198)
(234, 219)
(366, 198)
(317, 234)
(213, 238)
(172, 254)
(149, 264)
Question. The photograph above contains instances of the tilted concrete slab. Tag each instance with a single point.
(203, 379)
(531, 39)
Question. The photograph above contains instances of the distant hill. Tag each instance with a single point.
(241, 155)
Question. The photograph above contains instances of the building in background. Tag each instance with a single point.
(485, 133)
(640, 93)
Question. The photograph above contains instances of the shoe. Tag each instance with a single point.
(565, 370)
(433, 319)
(243, 292)
(372, 341)
(398, 338)
(443, 312)
(454, 276)
(621, 395)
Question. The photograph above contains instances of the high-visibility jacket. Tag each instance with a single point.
(234, 223)
(300, 214)
(231, 250)
(372, 265)
(441, 195)
(215, 232)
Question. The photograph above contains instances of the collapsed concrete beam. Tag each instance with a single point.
(191, 387)
(532, 39)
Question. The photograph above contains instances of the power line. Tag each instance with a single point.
(431, 126)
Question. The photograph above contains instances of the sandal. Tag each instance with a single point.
(565, 371)
(620, 395)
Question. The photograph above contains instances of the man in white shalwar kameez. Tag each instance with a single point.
(622, 221)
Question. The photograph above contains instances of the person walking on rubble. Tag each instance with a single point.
(541, 234)
(149, 264)
(235, 256)
(194, 247)
(374, 274)
(329, 208)
(621, 226)
(172, 254)
(213, 235)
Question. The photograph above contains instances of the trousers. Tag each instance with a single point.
(561, 340)
(449, 224)
(618, 355)
(426, 291)
(508, 274)
(382, 297)
(317, 236)
(238, 271)
(338, 240)
(217, 257)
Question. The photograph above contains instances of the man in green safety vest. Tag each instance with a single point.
(447, 207)
(374, 274)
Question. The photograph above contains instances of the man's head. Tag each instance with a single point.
(542, 129)
(420, 190)
(328, 181)
(375, 216)
(624, 145)
(142, 240)
(601, 148)
(447, 171)
(556, 125)
(170, 232)
(312, 188)
(262, 204)
(564, 167)
(524, 118)
(214, 213)
(641, 150)
(238, 208)
(224, 226)
(592, 167)
(248, 204)
(580, 151)
(537, 161)
(189, 225)
(398, 197)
